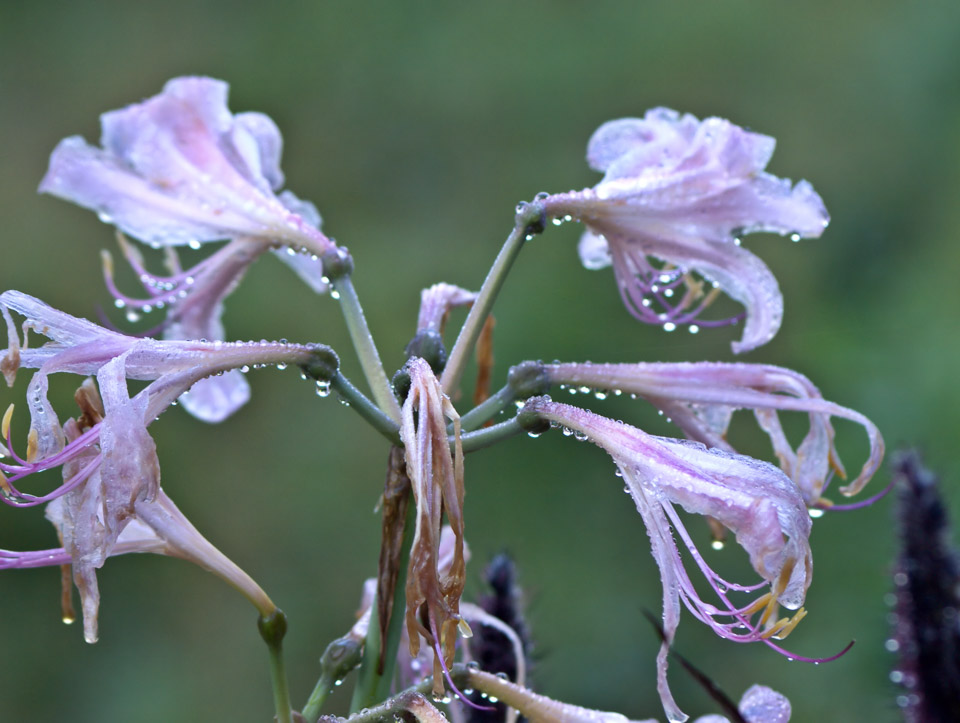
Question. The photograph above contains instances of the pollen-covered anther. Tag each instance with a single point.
(33, 444)
(5, 425)
(784, 626)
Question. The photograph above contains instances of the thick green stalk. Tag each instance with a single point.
(529, 221)
(488, 409)
(365, 346)
(487, 436)
(366, 409)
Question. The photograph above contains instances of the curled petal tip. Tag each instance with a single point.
(676, 196)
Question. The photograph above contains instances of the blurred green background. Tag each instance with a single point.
(416, 127)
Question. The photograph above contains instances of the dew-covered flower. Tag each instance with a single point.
(436, 477)
(701, 398)
(181, 169)
(110, 500)
(754, 500)
(78, 346)
(677, 196)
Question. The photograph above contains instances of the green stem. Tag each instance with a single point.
(529, 221)
(481, 438)
(372, 686)
(340, 657)
(488, 409)
(367, 409)
(365, 346)
(323, 688)
(272, 629)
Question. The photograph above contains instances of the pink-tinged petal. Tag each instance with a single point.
(677, 195)
(754, 500)
(179, 168)
(259, 136)
(437, 301)
(172, 367)
(594, 251)
(305, 264)
(761, 704)
(130, 469)
(198, 316)
(60, 327)
(701, 397)
(214, 399)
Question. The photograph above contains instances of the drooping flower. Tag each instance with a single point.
(180, 169)
(436, 476)
(110, 501)
(752, 499)
(79, 346)
(701, 398)
(682, 191)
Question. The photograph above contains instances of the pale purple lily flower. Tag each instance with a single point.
(111, 502)
(180, 169)
(111, 474)
(79, 346)
(701, 398)
(752, 499)
(682, 191)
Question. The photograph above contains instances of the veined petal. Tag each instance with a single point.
(754, 500)
(179, 168)
(173, 367)
(701, 397)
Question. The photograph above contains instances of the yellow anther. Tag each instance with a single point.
(794, 622)
(33, 442)
(784, 626)
(5, 425)
(464, 627)
(772, 607)
(758, 604)
(785, 572)
(5, 486)
(106, 260)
